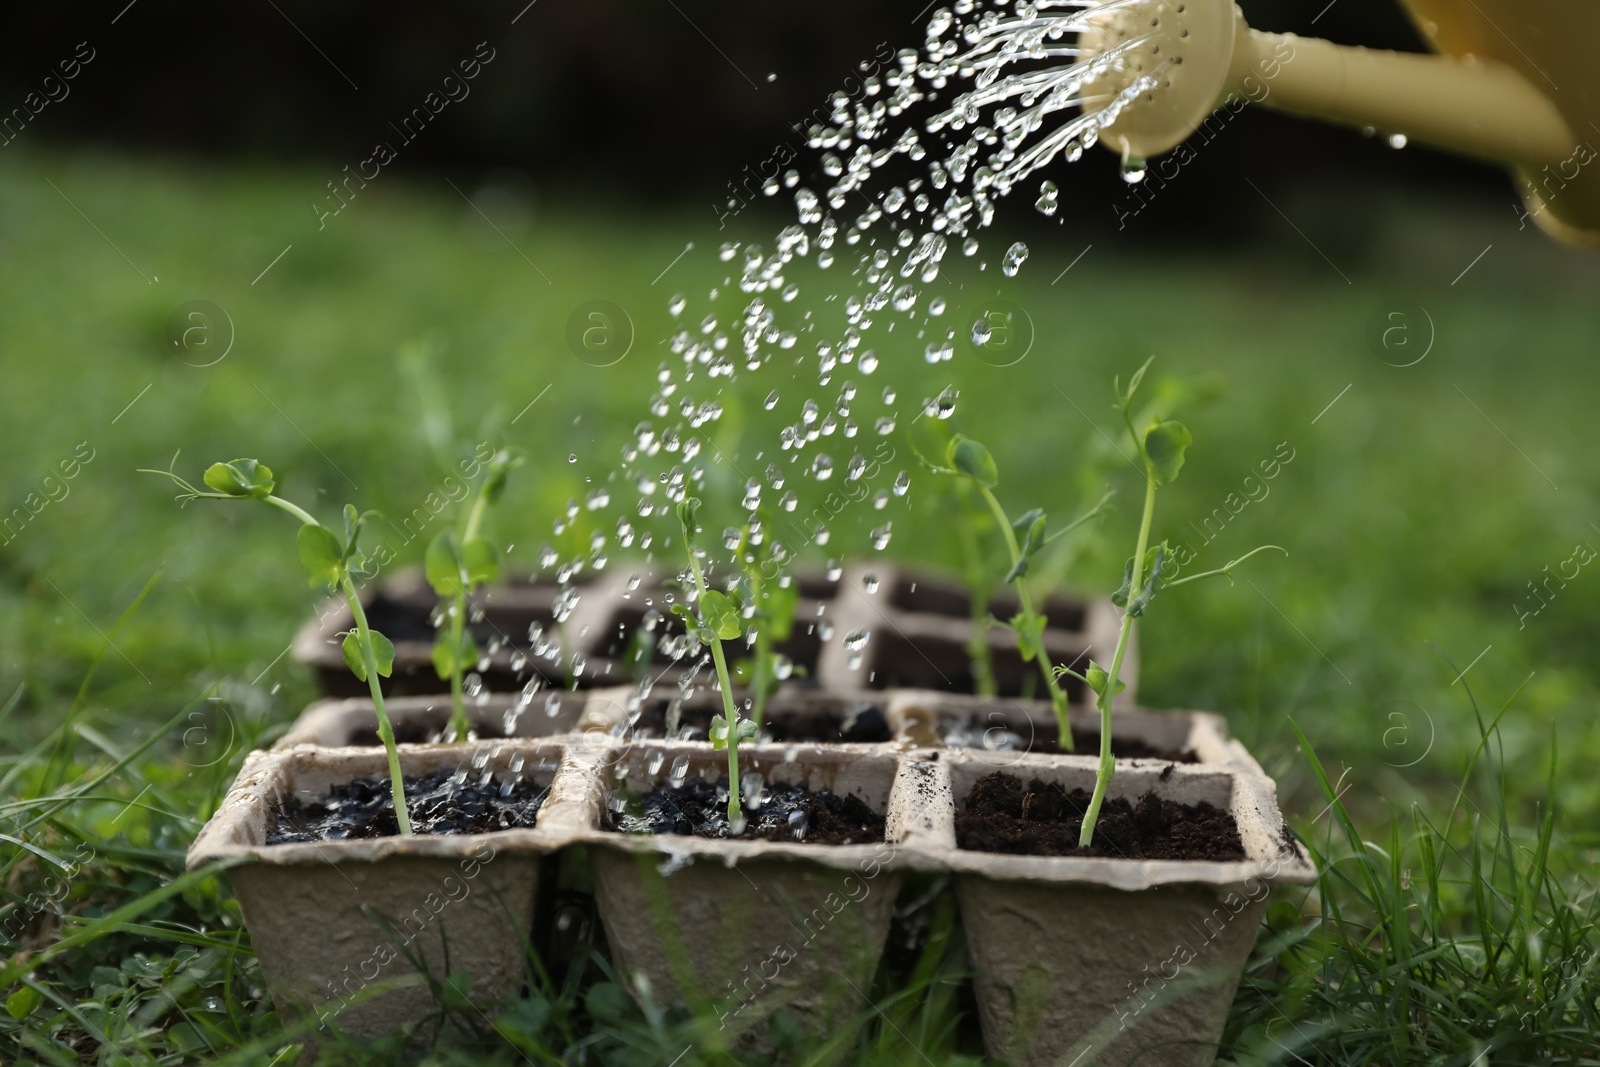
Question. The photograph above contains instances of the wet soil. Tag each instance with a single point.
(440, 803)
(787, 813)
(1001, 814)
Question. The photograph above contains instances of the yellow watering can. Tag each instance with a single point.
(1516, 81)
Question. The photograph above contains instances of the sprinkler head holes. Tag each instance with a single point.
(1184, 48)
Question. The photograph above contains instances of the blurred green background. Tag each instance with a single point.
(1420, 503)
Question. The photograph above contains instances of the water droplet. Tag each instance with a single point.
(1047, 202)
(1014, 258)
(1133, 169)
(676, 305)
(1397, 140)
(822, 467)
(902, 483)
(771, 401)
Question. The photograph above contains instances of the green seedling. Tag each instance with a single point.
(333, 564)
(1162, 448)
(979, 577)
(770, 606)
(713, 620)
(458, 563)
(1025, 537)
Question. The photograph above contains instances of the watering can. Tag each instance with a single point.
(1515, 81)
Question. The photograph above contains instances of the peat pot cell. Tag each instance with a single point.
(426, 719)
(930, 653)
(1160, 912)
(503, 611)
(820, 798)
(1005, 726)
(788, 917)
(459, 790)
(1019, 812)
(796, 718)
(332, 917)
(936, 596)
(511, 619)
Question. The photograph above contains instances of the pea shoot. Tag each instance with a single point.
(333, 564)
(1162, 448)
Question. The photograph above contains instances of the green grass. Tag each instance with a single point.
(1416, 509)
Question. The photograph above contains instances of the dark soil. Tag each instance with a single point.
(789, 813)
(1001, 815)
(438, 804)
(864, 724)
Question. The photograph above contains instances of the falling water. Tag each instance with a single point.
(902, 172)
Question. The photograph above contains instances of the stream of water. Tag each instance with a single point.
(907, 172)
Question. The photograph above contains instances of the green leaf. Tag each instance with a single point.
(449, 657)
(1019, 569)
(321, 555)
(382, 653)
(972, 459)
(1120, 597)
(1165, 443)
(1027, 519)
(1133, 383)
(240, 477)
(481, 561)
(444, 566)
(1032, 541)
(1152, 581)
(718, 615)
(1030, 635)
(1097, 678)
(501, 465)
(686, 517)
(351, 646)
(745, 729)
(23, 1002)
(352, 529)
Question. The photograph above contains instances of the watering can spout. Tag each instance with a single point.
(1515, 82)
